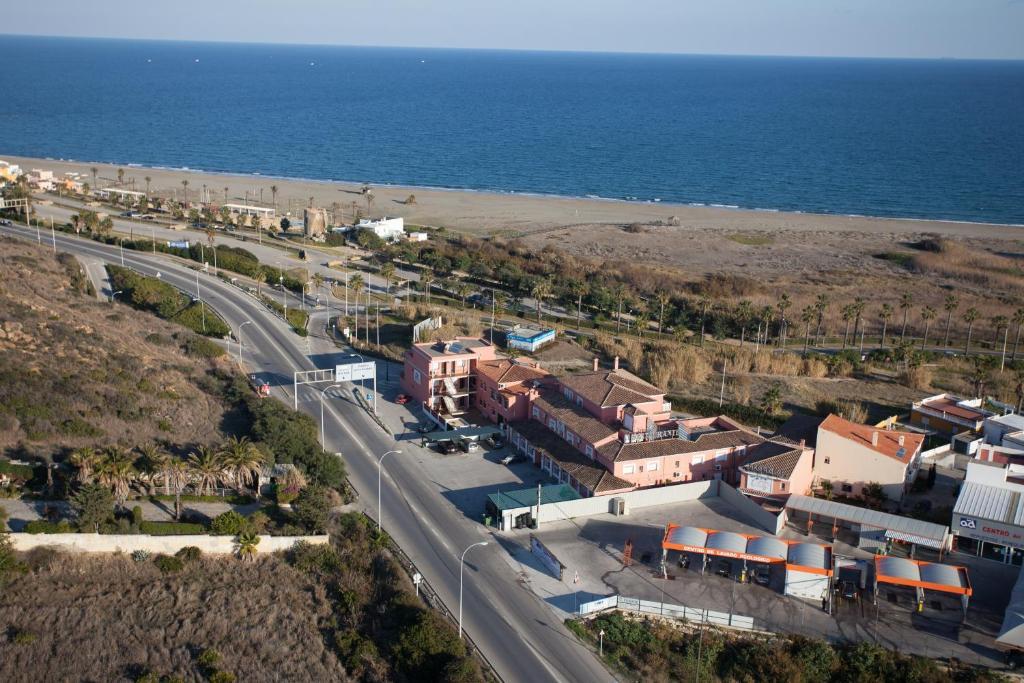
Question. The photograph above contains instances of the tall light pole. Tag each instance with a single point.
(462, 565)
(247, 322)
(113, 294)
(323, 395)
(380, 470)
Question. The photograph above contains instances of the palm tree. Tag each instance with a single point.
(906, 301)
(766, 319)
(642, 320)
(248, 542)
(619, 293)
(744, 313)
(387, 271)
(225, 195)
(427, 279)
(184, 191)
(663, 298)
(981, 374)
(1001, 322)
(462, 290)
(94, 172)
(970, 316)
(950, 304)
(178, 475)
(117, 470)
(540, 290)
(148, 181)
(243, 460)
(927, 315)
(120, 177)
(827, 488)
(260, 279)
(806, 317)
(273, 195)
(318, 284)
(848, 314)
(886, 315)
(1018, 388)
(207, 467)
(820, 306)
(858, 311)
(782, 306)
(86, 461)
(157, 461)
(704, 303)
(1018, 320)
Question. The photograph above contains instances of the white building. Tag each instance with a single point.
(1003, 428)
(988, 519)
(417, 237)
(44, 180)
(388, 229)
(114, 192)
(249, 210)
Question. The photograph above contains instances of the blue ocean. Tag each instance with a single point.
(939, 139)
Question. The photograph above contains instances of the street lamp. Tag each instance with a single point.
(323, 394)
(462, 564)
(247, 322)
(113, 294)
(379, 472)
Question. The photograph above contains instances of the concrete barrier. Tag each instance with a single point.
(127, 543)
(769, 521)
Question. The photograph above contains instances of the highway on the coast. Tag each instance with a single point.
(518, 633)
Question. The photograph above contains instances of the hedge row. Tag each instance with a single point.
(172, 529)
(153, 295)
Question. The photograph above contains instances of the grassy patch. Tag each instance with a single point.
(900, 258)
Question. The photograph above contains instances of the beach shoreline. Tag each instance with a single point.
(509, 213)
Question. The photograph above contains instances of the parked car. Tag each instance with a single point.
(469, 445)
(848, 590)
(4, 221)
(447, 447)
(724, 568)
(509, 459)
(401, 399)
(762, 574)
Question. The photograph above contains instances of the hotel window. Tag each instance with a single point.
(652, 466)
(847, 488)
(494, 395)
(590, 451)
(579, 401)
(783, 486)
(677, 463)
(417, 377)
(536, 412)
(721, 457)
(627, 469)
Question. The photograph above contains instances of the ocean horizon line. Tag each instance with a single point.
(518, 193)
(536, 51)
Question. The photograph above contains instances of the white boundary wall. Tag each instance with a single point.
(127, 543)
(665, 609)
(597, 505)
(773, 523)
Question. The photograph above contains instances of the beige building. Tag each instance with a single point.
(314, 223)
(852, 455)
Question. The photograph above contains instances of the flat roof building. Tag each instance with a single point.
(249, 210)
(528, 339)
(988, 518)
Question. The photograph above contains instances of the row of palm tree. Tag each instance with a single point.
(235, 464)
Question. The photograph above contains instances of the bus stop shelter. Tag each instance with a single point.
(922, 576)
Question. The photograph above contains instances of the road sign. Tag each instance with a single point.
(352, 372)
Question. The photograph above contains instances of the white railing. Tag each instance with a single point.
(664, 609)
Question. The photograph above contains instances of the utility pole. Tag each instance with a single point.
(536, 522)
(721, 394)
(377, 323)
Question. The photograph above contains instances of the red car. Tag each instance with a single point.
(401, 399)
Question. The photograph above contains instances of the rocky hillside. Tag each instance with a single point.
(77, 372)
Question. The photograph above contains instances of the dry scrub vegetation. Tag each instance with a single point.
(112, 619)
(76, 372)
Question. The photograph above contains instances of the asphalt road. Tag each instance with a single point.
(516, 631)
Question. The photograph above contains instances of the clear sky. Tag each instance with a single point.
(867, 28)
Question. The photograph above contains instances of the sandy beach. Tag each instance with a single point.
(770, 246)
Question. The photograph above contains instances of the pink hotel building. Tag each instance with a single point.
(602, 432)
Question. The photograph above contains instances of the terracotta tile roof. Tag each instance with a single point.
(505, 371)
(888, 441)
(575, 418)
(612, 387)
(708, 441)
(773, 459)
(588, 472)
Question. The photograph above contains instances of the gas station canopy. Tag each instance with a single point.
(900, 571)
(767, 549)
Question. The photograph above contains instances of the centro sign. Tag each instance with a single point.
(993, 532)
(968, 523)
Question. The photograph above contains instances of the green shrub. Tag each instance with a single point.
(22, 637)
(137, 515)
(208, 658)
(140, 555)
(222, 677)
(312, 508)
(22, 472)
(189, 554)
(171, 528)
(201, 319)
(229, 523)
(41, 526)
(199, 347)
(168, 564)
